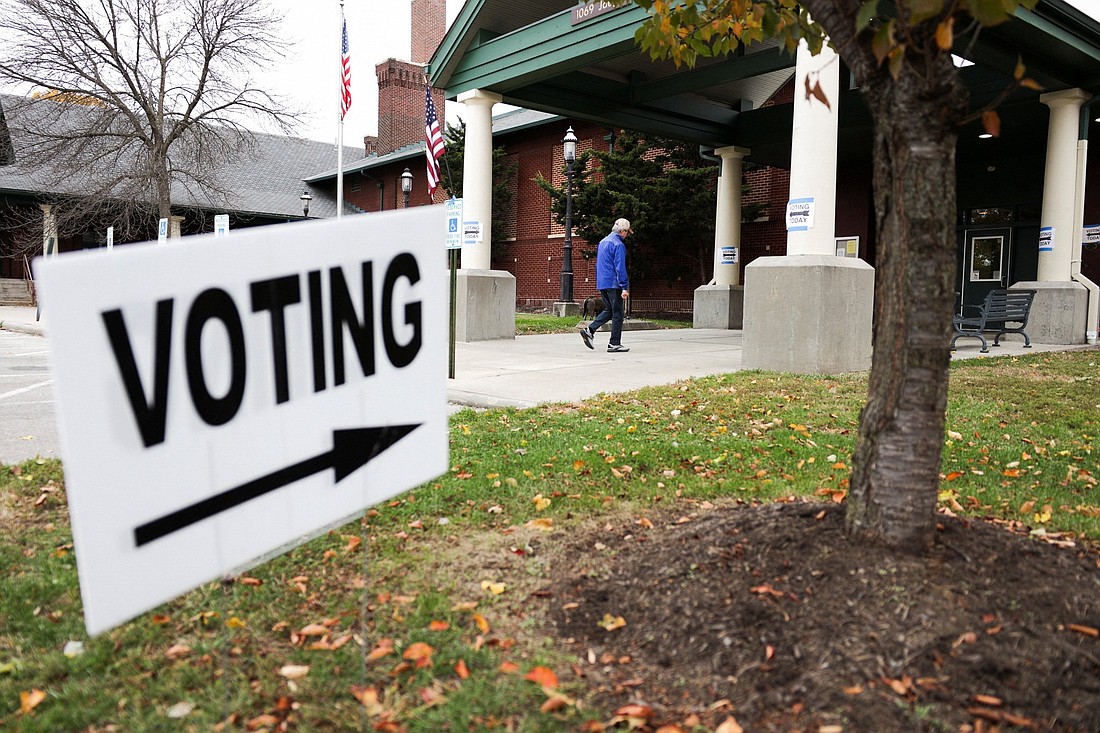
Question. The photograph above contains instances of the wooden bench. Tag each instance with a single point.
(1000, 308)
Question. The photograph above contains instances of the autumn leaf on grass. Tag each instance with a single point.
(540, 502)
(610, 623)
(294, 671)
(177, 651)
(543, 524)
(495, 588)
(461, 669)
(543, 676)
(420, 653)
(438, 626)
(766, 589)
(481, 622)
(28, 701)
(384, 648)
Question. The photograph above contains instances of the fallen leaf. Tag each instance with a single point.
(543, 676)
(180, 710)
(368, 697)
(294, 671)
(1086, 630)
(729, 725)
(438, 626)
(989, 700)
(462, 670)
(313, 630)
(420, 653)
(482, 623)
(610, 623)
(543, 524)
(177, 651)
(28, 701)
(265, 721)
(495, 588)
(384, 648)
(509, 667)
(953, 475)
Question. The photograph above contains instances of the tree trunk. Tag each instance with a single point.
(896, 464)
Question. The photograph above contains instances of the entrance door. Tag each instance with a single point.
(985, 265)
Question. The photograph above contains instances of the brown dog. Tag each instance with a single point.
(592, 307)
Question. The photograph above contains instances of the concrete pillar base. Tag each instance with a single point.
(485, 305)
(567, 308)
(719, 306)
(808, 314)
(1059, 312)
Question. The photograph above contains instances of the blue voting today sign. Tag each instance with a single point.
(213, 416)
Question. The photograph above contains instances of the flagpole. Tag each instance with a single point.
(340, 124)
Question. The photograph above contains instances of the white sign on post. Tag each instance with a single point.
(454, 220)
(221, 225)
(162, 231)
(212, 416)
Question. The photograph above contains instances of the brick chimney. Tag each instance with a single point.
(429, 23)
(401, 83)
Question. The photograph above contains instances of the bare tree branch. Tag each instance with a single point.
(131, 97)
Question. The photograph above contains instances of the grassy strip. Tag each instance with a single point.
(534, 323)
(453, 640)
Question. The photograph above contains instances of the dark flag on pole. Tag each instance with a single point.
(433, 135)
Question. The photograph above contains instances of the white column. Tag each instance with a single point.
(727, 217)
(49, 231)
(813, 153)
(174, 224)
(1056, 242)
(477, 175)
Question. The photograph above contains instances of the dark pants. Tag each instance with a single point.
(612, 311)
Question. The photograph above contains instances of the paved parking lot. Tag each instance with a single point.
(26, 399)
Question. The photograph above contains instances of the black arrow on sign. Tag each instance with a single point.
(351, 450)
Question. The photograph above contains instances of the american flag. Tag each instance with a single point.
(434, 137)
(345, 73)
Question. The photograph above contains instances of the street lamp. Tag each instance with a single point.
(569, 151)
(306, 198)
(406, 185)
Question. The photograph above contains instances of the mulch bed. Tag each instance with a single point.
(769, 614)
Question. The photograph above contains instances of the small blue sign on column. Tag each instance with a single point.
(729, 255)
(1046, 239)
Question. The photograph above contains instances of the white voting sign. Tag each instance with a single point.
(218, 403)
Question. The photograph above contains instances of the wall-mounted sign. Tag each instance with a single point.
(800, 214)
(1046, 239)
(471, 232)
(729, 255)
(590, 10)
(1091, 234)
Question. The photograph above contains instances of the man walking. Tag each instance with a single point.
(613, 285)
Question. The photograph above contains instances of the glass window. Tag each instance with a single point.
(985, 258)
(990, 215)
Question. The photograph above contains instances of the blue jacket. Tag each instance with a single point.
(611, 263)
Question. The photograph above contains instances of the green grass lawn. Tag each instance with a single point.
(419, 617)
(533, 323)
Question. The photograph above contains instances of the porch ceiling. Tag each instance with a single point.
(533, 54)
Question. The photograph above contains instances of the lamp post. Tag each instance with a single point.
(306, 198)
(569, 151)
(406, 185)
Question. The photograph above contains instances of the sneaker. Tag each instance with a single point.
(617, 349)
(586, 336)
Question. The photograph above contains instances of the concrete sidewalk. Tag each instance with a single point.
(529, 370)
